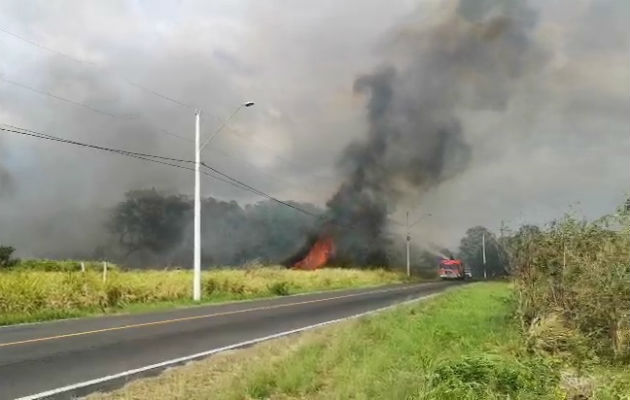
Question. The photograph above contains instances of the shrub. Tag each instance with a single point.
(6, 261)
(279, 288)
(575, 274)
(210, 286)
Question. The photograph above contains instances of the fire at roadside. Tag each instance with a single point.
(415, 140)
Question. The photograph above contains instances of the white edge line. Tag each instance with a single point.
(213, 351)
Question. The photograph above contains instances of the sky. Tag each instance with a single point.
(558, 142)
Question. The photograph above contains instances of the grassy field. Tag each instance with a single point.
(60, 291)
(465, 344)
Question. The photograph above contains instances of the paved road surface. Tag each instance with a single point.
(40, 357)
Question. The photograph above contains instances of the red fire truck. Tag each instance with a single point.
(453, 269)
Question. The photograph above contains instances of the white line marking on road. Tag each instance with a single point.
(179, 360)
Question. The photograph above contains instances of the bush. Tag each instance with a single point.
(5, 257)
(279, 288)
(574, 275)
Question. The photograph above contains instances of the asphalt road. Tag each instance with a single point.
(35, 358)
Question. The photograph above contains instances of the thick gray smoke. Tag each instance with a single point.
(470, 59)
(461, 101)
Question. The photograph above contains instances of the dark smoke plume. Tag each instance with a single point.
(471, 59)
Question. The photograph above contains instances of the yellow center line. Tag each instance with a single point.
(195, 317)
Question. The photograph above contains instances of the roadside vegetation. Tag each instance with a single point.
(573, 287)
(46, 289)
(558, 329)
(461, 345)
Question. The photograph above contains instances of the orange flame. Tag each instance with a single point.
(318, 255)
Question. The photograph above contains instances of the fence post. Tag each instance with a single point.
(104, 271)
(82, 266)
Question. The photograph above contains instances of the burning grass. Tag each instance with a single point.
(461, 345)
(29, 294)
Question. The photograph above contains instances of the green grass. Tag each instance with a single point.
(29, 294)
(464, 344)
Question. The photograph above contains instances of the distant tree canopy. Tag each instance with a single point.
(152, 228)
(149, 220)
(470, 251)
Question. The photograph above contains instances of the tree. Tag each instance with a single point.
(5, 257)
(149, 220)
(470, 251)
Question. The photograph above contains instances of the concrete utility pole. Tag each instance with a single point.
(197, 222)
(197, 206)
(483, 252)
(408, 239)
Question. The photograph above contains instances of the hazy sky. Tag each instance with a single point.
(561, 139)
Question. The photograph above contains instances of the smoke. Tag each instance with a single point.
(6, 182)
(456, 111)
(471, 58)
(436, 250)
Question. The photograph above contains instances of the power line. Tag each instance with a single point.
(33, 43)
(124, 117)
(257, 169)
(153, 92)
(123, 78)
(144, 156)
(223, 177)
(259, 192)
(141, 156)
(128, 81)
(28, 132)
(169, 161)
(54, 96)
(93, 64)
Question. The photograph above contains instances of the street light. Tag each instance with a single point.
(197, 208)
(409, 238)
(223, 125)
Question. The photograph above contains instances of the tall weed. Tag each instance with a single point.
(576, 273)
(31, 292)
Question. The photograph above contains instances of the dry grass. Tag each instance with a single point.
(30, 295)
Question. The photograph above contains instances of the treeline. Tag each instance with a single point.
(150, 228)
